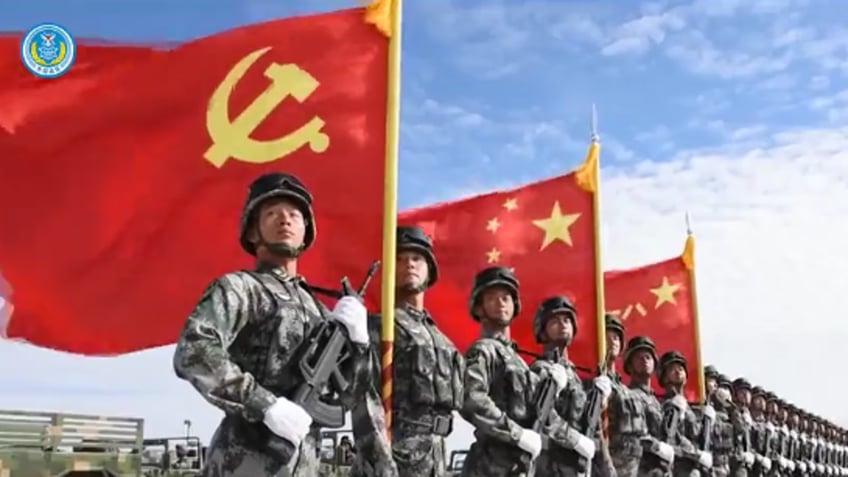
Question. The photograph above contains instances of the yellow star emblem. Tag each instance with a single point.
(511, 204)
(665, 292)
(493, 255)
(556, 226)
(493, 225)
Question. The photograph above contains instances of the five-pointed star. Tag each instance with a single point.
(493, 225)
(556, 226)
(511, 204)
(493, 255)
(665, 292)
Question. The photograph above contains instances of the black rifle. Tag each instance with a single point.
(321, 360)
(543, 403)
(590, 420)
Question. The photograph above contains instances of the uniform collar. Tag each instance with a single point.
(416, 314)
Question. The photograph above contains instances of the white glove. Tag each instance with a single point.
(766, 463)
(559, 375)
(665, 452)
(585, 446)
(748, 457)
(770, 426)
(820, 468)
(790, 465)
(709, 411)
(802, 466)
(746, 416)
(530, 442)
(351, 313)
(604, 385)
(288, 420)
(705, 459)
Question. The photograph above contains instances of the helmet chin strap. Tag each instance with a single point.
(278, 249)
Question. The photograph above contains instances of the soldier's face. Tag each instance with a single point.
(558, 328)
(771, 407)
(675, 374)
(742, 396)
(280, 221)
(642, 362)
(711, 385)
(411, 271)
(614, 343)
(758, 403)
(497, 305)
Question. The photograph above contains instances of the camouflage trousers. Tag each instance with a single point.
(557, 463)
(721, 465)
(231, 454)
(420, 455)
(629, 460)
(492, 459)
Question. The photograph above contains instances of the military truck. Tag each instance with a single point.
(47, 444)
(172, 457)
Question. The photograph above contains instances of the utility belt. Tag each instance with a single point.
(434, 424)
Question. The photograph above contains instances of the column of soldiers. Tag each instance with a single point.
(237, 351)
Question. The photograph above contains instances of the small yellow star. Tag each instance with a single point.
(493, 225)
(665, 292)
(493, 255)
(556, 226)
(511, 204)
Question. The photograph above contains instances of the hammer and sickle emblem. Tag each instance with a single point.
(231, 139)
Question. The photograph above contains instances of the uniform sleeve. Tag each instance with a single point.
(202, 356)
(478, 408)
(368, 419)
(675, 434)
(739, 431)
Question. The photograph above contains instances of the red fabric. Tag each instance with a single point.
(461, 243)
(113, 222)
(637, 296)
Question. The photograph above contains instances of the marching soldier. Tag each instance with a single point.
(427, 370)
(681, 428)
(743, 459)
(238, 343)
(636, 417)
(710, 379)
(602, 464)
(782, 464)
(555, 326)
(615, 341)
(500, 387)
(796, 447)
(723, 435)
(762, 433)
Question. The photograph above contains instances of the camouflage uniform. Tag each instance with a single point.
(743, 458)
(555, 461)
(238, 344)
(762, 434)
(602, 464)
(779, 442)
(681, 427)
(797, 428)
(723, 430)
(635, 424)
(427, 379)
(498, 389)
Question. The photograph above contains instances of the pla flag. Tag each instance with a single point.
(544, 231)
(129, 176)
(657, 300)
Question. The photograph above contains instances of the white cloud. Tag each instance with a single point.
(770, 226)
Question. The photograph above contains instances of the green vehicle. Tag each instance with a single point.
(52, 444)
(172, 457)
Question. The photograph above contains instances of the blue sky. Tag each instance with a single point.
(734, 110)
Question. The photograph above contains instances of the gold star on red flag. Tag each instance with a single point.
(557, 226)
(665, 292)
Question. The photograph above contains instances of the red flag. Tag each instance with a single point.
(657, 300)
(544, 231)
(122, 202)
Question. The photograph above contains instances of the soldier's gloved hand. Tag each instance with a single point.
(748, 457)
(585, 446)
(530, 442)
(790, 465)
(665, 451)
(705, 459)
(604, 385)
(820, 468)
(766, 463)
(802, 466)
(288, 420)
(351, 313)
(559, 375)
(709, 412)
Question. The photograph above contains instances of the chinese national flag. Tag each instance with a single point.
(545, 231)
(657, 301)
(123, 181)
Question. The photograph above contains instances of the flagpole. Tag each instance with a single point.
(688, 258)
(589, 178)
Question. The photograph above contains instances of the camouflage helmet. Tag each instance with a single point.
(548, 308)
(638, 343)
(667, 359)
(491, 277)
(273, 185)
(710, 372)
(412, 238)
(741, 384)
(612, 323)
(757, 391)
(724, 382)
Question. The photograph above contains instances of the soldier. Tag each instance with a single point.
(681, 427)
(427, 371)
(555, 326)
(743, 459)
(636, 417)
(710, 379)
(238, 343)
(762, 433)
(782, 465)
(500, 387)
(796, 447)
(614, 342)
(602, 464)
(723, 435)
